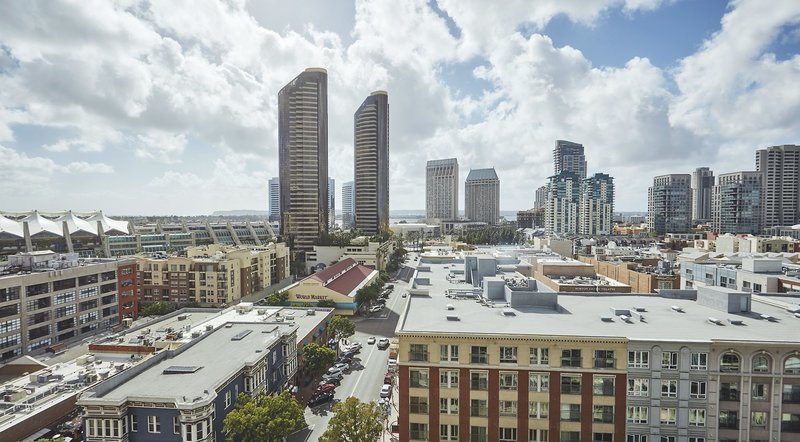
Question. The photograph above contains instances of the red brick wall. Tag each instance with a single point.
(110, 348)
(555, 405)
(494, 405)
(463, 405)
(522, 406)
(586, 406)
(433, 404)
(132, 288)
(620, 410)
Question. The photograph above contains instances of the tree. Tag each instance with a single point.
(368, 294)
(156, 308)
(264, 418)
(317, 358)
(327, 303)
(340, 327)
(278, 298)
(354, 421)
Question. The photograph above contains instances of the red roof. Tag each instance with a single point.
(350, 275)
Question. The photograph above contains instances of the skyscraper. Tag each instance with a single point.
(371, 129)
(541, 198)
(274, 199)
(737, 203)
(596, 205)
(780, 185)
(669, 204)
(702, 183)
(348, 206)
(563, 200)
(303, 158)
(331, 203)
(482, 196)
(441, 189)
(569, 157)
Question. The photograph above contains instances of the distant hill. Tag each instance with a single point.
(241, 212)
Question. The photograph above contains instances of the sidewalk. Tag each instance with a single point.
(387, 435)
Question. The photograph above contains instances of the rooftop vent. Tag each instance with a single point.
(793, 309)
(715, 320)
(450, 307)
(241, 335)
(181, 369)
(797, 315)
(625, 318)
(768, 317)
(736, 321)
(677, 309)
(640, 309)
(228, 325)
(607, 319)
(508, 312)
(453, 318)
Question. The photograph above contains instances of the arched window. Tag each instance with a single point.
(761, 364)
(792, 365)
(730, 362)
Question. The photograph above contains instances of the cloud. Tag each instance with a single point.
(162, 146)
(82, 167)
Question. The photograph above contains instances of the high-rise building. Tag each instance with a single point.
(669, 203)
(303, 157)
(737, 203)
(275, 199)
(569, 157)
(596, 205)
(780, 185)
(563, 200)
(541, 198)
(482, 196)
(441, 189)
(702, 183)
(348, 206)
(331, 203)
(371, 128)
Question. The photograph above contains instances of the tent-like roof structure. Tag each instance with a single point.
(108, 224)
(10, 227)
(37, 224)
(75, 224)
(53, 223)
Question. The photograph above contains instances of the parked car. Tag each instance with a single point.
(335, 380)
(324, 388)
(344, 366)
(320, 399)
(405, 294)
(386, 391)
(390, 286)
(375, 308)
(388, 378)
(354, 346)
(344, 358)
(335, 371)
(371, 340)
(383, 343)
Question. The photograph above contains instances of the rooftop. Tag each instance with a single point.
(344, 276)
(482, 174)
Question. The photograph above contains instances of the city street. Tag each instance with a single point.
(364, 381)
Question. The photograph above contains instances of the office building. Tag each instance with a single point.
(348, 206)
(482, 196)
(541, 198)
(780, 185)
(737, 203)
(441, 189)
(274, 199)
(563, 201)
(530, 219)
(569, 157)
(362, 249)
(371, 174)
(669, 203)
(596, 205)
(702, 185)
(303, 158)
(331, 203)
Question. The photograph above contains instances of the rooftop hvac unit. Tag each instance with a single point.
(209, 327)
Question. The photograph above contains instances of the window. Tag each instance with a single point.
(639, 359)
(479, 380)
(418, 405)
(790, 423)
(697, 390)
(760, 391)
(729, 391)
(729, 363)
(603, 386)
(699, 361)
(448, 379)
(418, 431)
(571, 384)
(570, 436)
(603, 414)
(508, 380)
(448, 353)
(134, 423)
(418, 378)
(538, 382)
(697, 439)
(729, 419)
(759, 419)
(571, 358)
(538, 410)
(604, 359)
(508, 434)
(669, 388)
(637, 438)
(478, 407)
(602, 437)
(791, 393)
(227, 399)
(538, 435)
(176, 425)
(477, 434)
(508, 408)
(697, 417)
(571, 412)
(448, 432)
(539, 356)
(761, 364)
(667, 438)
(668, 415)
(637, 415)
(792, 365)
(448, 405)
(153, 424)
(479, 355)
(508, 355)
(669, 360)
(638, 387)
(418, 353)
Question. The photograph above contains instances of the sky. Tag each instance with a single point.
(170, 107)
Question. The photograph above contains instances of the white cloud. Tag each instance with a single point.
(162, 146)
(84, 168)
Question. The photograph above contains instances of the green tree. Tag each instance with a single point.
(340, 327)
(354, 421)
(327, 303)
(264, 418)
(317, 358)
(278, 298)
(156, 308)
(367, 295)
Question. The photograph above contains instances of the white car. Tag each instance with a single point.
(386, 391)
(335, 371)
(375, 308)
(371, 340)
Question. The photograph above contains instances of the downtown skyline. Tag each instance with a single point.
(170, 109)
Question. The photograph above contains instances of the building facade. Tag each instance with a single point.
(596, 205)
(529, 219)
(331, 203)
(348, 205)
(702, 187)
(368, 253)
(737, 203)
(780, 184)
(482, 196)
(563, 201)
(337, 283)
(441, 189)
(541, 198)
(371, 171)
(303, 158)
(569, 157)
(274, 199)
(669, 204)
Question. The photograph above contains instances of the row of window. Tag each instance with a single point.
(510, 355)
(418, 431)
(537, 382)
(668, 416)
(729, 362)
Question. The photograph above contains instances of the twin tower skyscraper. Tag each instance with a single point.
(303, 160)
